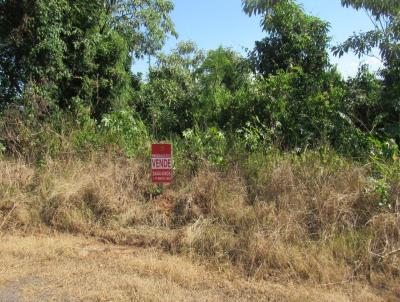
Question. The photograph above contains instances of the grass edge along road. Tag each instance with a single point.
(68, 268)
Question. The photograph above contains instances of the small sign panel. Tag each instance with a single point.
(161, 163)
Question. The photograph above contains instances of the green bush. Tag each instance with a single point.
(198, 146)
(126, 130)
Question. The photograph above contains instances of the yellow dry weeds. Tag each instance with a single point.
(66, 268)
(282, 229)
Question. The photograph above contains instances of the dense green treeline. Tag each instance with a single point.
(66, 81)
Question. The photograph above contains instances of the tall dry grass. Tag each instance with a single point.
(279, 218)
(71, 268)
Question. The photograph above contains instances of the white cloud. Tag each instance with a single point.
(348, 64)
(374, 63)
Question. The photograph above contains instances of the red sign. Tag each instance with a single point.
(161, 163)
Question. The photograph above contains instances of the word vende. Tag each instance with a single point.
(161, 163)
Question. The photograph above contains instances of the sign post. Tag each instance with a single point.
(161, 163)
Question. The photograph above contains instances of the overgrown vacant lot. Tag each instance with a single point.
(286, 162)
(269, 228)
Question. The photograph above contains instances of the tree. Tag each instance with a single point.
(77, 53)
(293, 38)
(384, 15)
(363, 100)
(31, 47)
(222, 74)
(295, 98)
(224, 66)
(145, 24)
(168, 101)
(255, 7)
(385, 36)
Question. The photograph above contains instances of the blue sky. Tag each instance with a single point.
(212, 23)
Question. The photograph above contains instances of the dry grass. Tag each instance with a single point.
(66, 268)
(285, 220)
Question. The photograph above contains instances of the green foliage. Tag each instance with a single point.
(210, 145)
(385, 174)
(30, 45)
(378, 7)
(255, 7)
(291, 109)
(221, 76)
(125, 130)
(387, 150)
(66, 84)
(385, 35)
(144, 24)
(118, 131)
(256, 135)
(78, 49)
(225, 67)
(294, 39)
(168, 99)
(363, 100)
(27, 137)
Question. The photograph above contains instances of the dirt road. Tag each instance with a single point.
(66, 268)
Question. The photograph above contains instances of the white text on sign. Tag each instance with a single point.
(161, 163)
